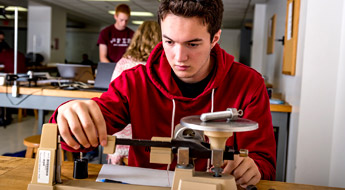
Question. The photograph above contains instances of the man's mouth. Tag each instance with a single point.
(181, 67)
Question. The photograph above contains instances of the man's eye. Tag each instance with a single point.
(193, 45)
(169, 42)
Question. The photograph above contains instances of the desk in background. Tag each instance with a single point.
(15, 174)
(49, 98)
(41, 98)
(280, 120)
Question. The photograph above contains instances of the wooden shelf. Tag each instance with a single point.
(281, 108)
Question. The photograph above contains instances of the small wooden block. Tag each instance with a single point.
(160, 155)
(190, 185)
(33, 186)
(111, 145)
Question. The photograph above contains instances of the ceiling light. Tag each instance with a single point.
(11, 8)
(8, 17)
(136, 13)
(137, 22)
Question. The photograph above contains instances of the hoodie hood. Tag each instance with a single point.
(159, 72)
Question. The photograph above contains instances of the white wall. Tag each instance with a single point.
(230, 40)
(79, 42)
(259, 42)
(271, 62)
(318, 160)
(39, 29)
(45, 24)
(317, 92)
(337, 169)
(58, 32)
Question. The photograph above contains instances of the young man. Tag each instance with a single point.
(187, 74)
(114, 39)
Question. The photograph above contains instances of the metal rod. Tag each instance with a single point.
(140, 142)
(195, 149)
(15, 86)
(15, 39)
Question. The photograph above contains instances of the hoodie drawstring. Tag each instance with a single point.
(212, 100)
(212, 107)
(172, 120)
(172, 125)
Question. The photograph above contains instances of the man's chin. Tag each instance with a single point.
(186, 78)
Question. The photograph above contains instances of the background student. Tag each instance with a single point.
(114, 39)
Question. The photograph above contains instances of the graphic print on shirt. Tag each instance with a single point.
(120, 42)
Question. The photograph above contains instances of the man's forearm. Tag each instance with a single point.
(104, 59)
(103, 49)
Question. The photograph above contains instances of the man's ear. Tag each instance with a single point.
(115, 16)
(216, 37)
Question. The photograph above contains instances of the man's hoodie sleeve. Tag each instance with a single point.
(261, 142)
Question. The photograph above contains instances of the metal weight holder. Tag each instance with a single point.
(188, 143)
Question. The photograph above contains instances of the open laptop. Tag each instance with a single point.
(103, 77)
(75, 72)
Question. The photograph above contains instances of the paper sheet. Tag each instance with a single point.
(136, 176)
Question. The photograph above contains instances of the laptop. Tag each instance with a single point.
(103, 77)
(75, 72)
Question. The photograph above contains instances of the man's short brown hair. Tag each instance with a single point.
(122, 8)
(211, 11)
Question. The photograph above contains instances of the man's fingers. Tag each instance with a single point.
(65, 133)
(247, 173)
(232, 164)
(244, 177)
(244, 170)
(248, 179)
(76, 128)
(89, 128)
(99, 122)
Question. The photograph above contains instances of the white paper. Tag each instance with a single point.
(136, 175)
(43, 166)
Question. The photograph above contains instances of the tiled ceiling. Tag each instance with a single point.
(236, 12)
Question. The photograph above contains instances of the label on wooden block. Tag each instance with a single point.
(43, 166)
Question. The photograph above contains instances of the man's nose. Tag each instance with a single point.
(180, 53)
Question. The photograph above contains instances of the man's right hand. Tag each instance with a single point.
(85, 120)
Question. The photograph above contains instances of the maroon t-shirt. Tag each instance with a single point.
(116, 41)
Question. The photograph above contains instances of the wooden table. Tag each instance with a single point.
(15, 174)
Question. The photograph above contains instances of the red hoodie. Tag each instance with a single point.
(149, 99)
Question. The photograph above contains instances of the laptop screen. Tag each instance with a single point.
(104, 74)
(75, 72)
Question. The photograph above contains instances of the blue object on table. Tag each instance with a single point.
(276, 101)
(111, 181)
